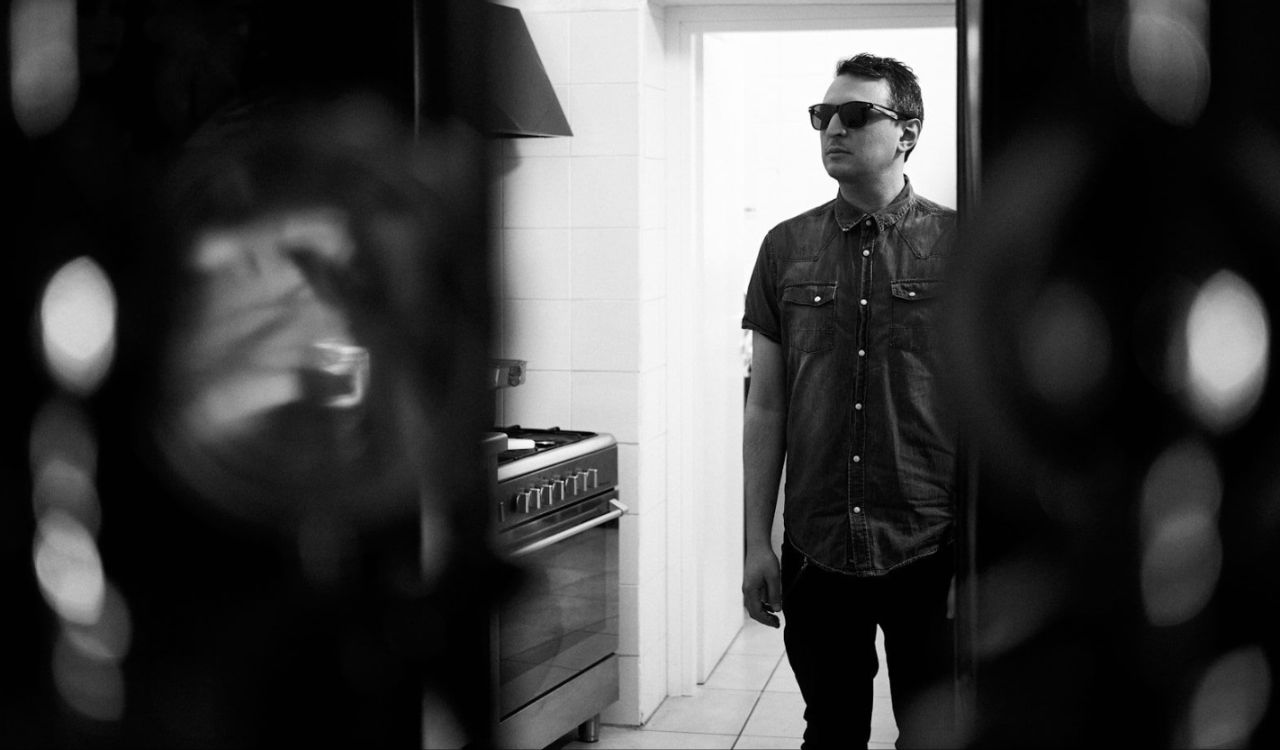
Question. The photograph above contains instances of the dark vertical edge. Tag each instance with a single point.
(968, 158)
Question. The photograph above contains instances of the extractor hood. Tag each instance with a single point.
(522, 104)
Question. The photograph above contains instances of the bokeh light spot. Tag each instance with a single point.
(1228, 350)
(109, 637)
(1182, 550)
(44, 73)
(1168, 60)
(78, 325)
(92, 687)
(1231, 699)
(69, 568)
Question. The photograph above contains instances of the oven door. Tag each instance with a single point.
(564, 619)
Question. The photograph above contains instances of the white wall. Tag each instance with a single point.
(582, 288)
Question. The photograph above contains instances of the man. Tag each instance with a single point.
(846, 392)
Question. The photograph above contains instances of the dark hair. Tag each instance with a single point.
(904, 89)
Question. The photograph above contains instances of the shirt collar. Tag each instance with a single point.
(849, 216)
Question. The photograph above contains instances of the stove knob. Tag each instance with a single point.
(557, 485)
(523, 498)
(593, 478)
(538, 496)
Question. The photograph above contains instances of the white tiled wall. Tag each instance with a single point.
(583, 287)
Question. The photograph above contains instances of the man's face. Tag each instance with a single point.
(854, 154)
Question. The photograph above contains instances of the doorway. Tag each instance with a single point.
(742, 158)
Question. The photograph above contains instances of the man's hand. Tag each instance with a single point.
(762, 586)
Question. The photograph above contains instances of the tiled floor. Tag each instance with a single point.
(750, 701)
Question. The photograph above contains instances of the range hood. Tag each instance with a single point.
(523, 104)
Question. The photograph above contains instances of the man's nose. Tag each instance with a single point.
(835, 126)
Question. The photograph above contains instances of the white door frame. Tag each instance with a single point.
(698, 448)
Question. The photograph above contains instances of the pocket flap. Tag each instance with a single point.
(813, 295)
(916, 289)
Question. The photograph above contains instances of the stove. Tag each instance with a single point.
(560, 467)
(557, 516)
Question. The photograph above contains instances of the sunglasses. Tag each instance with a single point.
(852, 114)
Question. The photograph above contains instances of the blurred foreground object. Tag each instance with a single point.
(1114, 324)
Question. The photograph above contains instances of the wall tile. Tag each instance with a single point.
(652, 394)
(606, 335)
(629, 487)
(629, 549)
(653, 334)
(544, 400)
(605, 118)
(535, 193)
(606, 402)
(652, 686)
(653, 193)
(650, 489)
(651, 563)
(652, 261)
(605, 191)
(604, 47)
(536, 263)
(653, 119)
(539, 332)
(606, 263)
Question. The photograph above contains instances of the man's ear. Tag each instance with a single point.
(910, 134)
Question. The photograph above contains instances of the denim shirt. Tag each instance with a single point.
(853, 300)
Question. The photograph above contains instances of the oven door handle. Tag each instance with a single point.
(618, 510)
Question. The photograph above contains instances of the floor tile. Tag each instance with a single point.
(754, 742)
(742, 672)
(612, 737)
(708, 711)
(755, 638)
(777, 715)
(783, 679)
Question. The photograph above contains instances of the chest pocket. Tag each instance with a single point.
(810, 314)
(915, 313)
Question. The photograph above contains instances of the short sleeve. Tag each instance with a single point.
(761, 313)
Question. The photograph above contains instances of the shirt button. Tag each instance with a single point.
(858, 407)
(862, 352)
(817, 299)
(857, 459)
(862, 302)
(866, 252)
(868, 222)
(857, 509)
(911, 294)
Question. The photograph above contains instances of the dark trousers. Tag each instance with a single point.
(830, 637)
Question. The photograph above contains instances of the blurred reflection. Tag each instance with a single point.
(290, 386)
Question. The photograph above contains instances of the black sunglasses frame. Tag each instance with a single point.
(853, 115)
